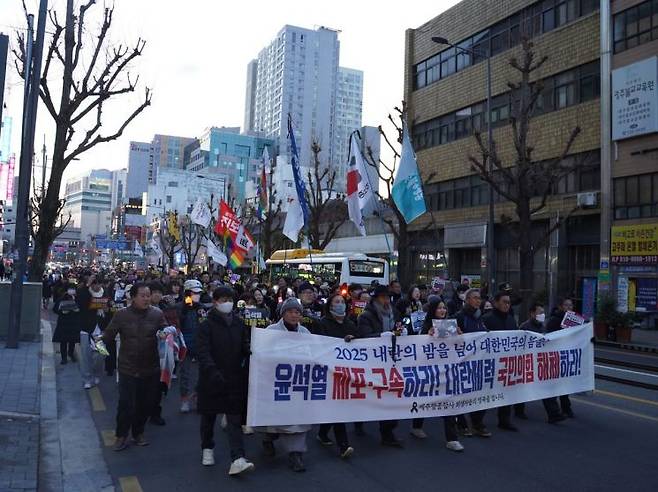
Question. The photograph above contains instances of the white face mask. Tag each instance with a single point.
(196, 297)
(224, 307)
(71, 292)
(462, 297)
(541, 317)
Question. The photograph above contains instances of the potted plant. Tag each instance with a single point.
(624, 327)
(606, 316)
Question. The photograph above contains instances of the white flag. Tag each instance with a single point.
(215, 253)
(138, 249)
(359, 190)
(200, 213)
(294, 219)
(259, 258)
(154, 244)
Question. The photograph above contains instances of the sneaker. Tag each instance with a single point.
(269, 449)
(454, 446)
(158, 420)
(465, 431)
(481, 432)
(64, 361)
(140, 440)
(569, 413)
(241, 465)
(346, 452)
(185, 406)
(97, 381)
(418, 433)
(224, 422)
(120, 444)
(247, 431)
(207, 457)
(554, 419)
(173, 376)
(88, 386)
(296, 462)
(324, 440)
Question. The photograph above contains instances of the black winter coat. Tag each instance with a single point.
(332, 328)
(68, 325)
(499, 321)
(223, 355)
(369, 323)
(555, 321)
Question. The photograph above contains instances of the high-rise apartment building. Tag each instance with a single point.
(349, 107)
(250, 98)
(139, 159)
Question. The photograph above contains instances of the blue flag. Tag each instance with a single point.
(297, 213)
(408, 188)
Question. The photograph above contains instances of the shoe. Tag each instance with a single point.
(73, 357)
(207, 457)
(465, 431)
(185, 406)
(120, 444)
(88, 386)
(296, 462)
(64, 361)
(481, 432)
(508, 427)
(455, 446)
(109, 373)
(521, 416)
(346, 452)
(158, 420)
(392, 442)
(358, 430)
(247, 431)
(140, 440)
(569, 413)
(97, 381)
(324, 440)
(224, 422)
(240, 465)
(554, 419)
(418, 433)
(173, 376)
(269, 449)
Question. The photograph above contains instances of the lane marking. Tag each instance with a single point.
(97, 402)
(130, 484)
(626, 397)
(108, 438)
(611, 368)
(614, 409)
(631, 354)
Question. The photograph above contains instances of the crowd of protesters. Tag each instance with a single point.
(196, 329)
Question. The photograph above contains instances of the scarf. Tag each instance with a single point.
(386, 316)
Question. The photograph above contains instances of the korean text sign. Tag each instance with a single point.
(635, 244)
(305, 379)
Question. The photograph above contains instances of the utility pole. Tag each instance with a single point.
(30, 105)
(4, 48)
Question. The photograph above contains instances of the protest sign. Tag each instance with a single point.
(306, 379)
(570, 319)
(417, 319)
(255, 317)
(358, 307)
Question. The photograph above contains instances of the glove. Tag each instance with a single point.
(348, 338)
(404, 332)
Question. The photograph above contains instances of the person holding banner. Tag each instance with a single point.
(337, 324)
(293, 437)
(222, 346)
(380, 319)
(312, 310)
(469, 320)
(557, 413)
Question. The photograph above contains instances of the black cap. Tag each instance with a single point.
(380, 290)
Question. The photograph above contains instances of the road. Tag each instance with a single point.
(612, 444)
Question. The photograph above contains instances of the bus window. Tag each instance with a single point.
(330, 272)
(366, 268)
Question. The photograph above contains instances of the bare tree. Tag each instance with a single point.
(190, 240)
(327, 207)
(86, 81)
(269, 225)
(396, 223)
(526, 183)
(169, 243)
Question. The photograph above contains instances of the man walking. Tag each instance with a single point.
(139, 363)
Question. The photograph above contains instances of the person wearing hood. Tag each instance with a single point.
(469, 320)
(501, 318)
(336, 323)
(380, 318)
(222, 346)
(190, 314)
(67, 330)
(293, 437)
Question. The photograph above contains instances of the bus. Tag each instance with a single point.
(334, 268)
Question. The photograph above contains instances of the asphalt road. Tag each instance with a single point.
(612, 444)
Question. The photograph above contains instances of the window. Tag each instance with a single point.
(543, 16)
(635, 26)
(168, 200)
(636, 196)
(565, 90)
(172, 184)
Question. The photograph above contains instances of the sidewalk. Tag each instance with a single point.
(641, 341)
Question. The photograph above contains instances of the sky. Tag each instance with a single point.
(197, 52)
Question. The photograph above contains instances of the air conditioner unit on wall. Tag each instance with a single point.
(587, 200)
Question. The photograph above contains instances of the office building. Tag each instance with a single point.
(250, 97)
(139, 169)
(89, 202)
(167, 151)
(119, 187)
(445, 91)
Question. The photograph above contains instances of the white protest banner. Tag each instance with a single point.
(201, 213)
(307, 379)
(571, 319)
(214, 252)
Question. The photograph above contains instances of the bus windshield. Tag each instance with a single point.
(330, 272)
(367, 268)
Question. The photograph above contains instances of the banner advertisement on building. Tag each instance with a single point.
(635, 99)
(307, 379)
(635, 244)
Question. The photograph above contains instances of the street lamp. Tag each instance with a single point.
(491, 251)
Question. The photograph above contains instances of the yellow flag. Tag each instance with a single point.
(172, 226)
